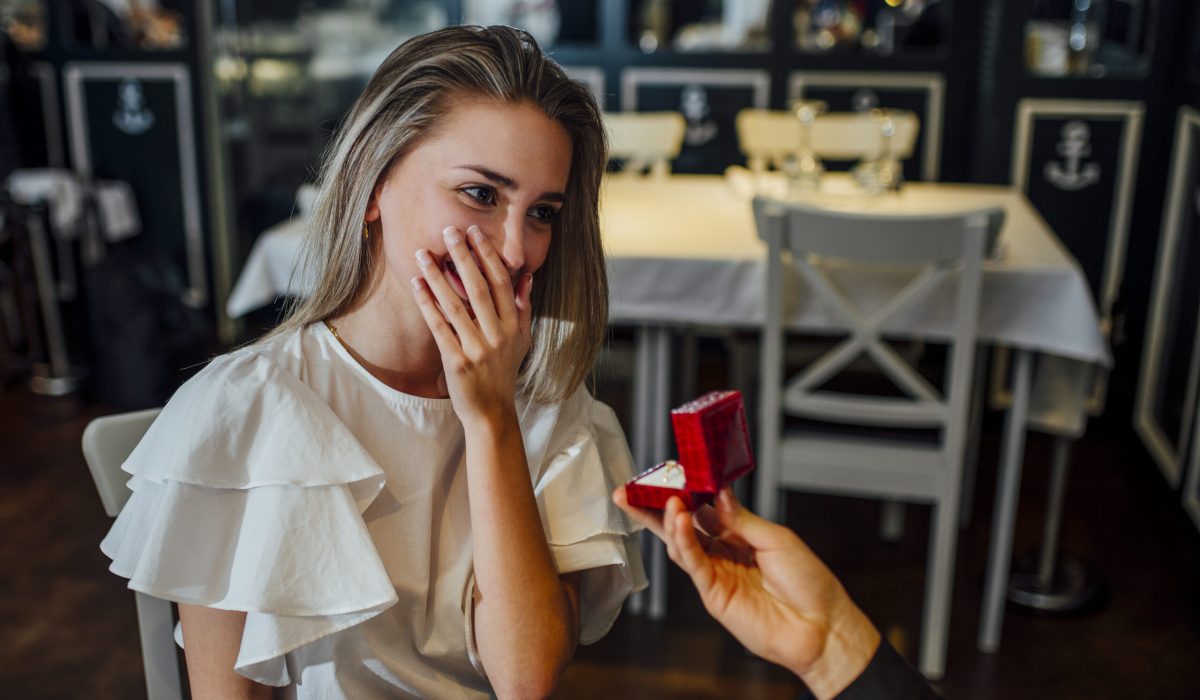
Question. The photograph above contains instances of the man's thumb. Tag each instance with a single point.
(757, 532)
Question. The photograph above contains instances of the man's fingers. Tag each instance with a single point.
(651, 520)
(758, 533)
(690, 555)
(709, 521)
(670, 511)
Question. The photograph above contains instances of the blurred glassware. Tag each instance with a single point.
(883, 171)
(804, 169)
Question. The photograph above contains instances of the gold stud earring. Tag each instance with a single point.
(366, 231)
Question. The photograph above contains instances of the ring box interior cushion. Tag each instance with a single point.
(714, 450)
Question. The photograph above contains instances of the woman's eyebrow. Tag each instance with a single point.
(504, 181)
(492, 176)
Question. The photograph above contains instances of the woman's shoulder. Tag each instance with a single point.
(551, 429)
(247, 419)
(543, 421)
(271, 364)
(579, 411)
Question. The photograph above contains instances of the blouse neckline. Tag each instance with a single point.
(327, 338)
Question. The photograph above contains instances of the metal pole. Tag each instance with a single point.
(1054, 509)
(56, 342)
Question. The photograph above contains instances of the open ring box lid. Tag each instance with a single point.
(714, 450)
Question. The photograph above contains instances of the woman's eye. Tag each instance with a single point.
(544, 214)
(481, 194)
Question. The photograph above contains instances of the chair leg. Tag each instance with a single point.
(891, 521)
(974, 431)
(157, 629)
(939, 588)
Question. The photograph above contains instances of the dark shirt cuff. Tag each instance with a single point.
(888, 676)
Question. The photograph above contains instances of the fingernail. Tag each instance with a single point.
(476, 233)
(452, 236)
(416, 283)
(424, 259)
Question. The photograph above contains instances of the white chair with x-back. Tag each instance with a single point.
(815, 451)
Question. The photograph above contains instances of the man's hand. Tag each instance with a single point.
(763, 584)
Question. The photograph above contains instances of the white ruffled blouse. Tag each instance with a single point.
(286, 481)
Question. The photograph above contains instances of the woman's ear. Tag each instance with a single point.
(372, 214)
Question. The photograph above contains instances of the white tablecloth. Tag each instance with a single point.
(686, 250)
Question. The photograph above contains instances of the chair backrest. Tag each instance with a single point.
(107, 442)
(645, 140)
(932, 247)
(767, 137)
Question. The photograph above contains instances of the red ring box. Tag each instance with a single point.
(714, 450)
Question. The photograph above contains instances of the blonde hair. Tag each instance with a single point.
(405, 99)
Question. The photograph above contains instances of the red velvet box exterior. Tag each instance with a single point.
(714, 450)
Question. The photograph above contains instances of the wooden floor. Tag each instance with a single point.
(68, 630)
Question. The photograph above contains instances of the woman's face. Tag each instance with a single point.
(500, 166)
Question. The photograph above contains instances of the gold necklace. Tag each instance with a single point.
(336, 337)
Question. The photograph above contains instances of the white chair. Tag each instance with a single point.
(645, 141)
(937, 250)
(768, 137)
(107, 441)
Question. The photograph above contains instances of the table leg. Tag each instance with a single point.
(651, 442)
(640, 433)
(658, 422)
(1004, 517)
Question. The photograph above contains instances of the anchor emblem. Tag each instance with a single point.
(701, 127)
(1072, 174)
(131, 116)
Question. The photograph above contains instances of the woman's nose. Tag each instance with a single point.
(512, 245)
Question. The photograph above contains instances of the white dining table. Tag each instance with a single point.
(684, 251)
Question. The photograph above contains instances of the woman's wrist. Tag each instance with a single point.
(495, 424)
(850, 645)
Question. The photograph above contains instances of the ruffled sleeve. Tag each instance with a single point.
(586, 458)
(248, 494)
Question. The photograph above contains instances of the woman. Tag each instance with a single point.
(402, 490)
